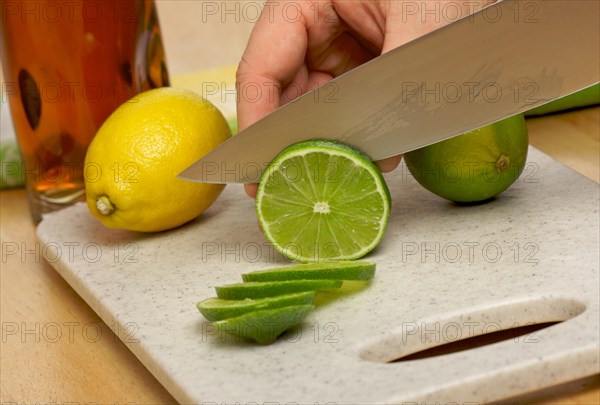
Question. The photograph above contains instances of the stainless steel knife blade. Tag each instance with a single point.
(490, 65)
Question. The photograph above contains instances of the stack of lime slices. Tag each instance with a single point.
(269, 302)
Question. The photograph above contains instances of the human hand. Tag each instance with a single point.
(298, 45)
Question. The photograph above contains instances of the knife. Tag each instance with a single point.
(505, 59)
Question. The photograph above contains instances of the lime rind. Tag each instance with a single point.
(475, 166)
(265, 326)
(217, 309)
(334, 270)
(240, 291)
(336, 238)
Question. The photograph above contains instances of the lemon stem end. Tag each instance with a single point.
(104, 205)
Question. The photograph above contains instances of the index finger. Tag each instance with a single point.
(274, 55)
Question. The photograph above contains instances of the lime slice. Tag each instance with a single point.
(266, 325)
(321, 200)
(337, 270)
(216, 309)
(242, 291)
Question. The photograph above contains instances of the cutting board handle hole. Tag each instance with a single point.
(526, 334)
(519, 322)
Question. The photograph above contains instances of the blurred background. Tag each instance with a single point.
(202, 35)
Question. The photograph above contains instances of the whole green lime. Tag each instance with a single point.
(475, 166)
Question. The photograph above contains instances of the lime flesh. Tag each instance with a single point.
(241, 291)
(216, 309)
(265, 326)
(336, 270)
(321, 200)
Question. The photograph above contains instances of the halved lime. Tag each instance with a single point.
(241, 291)
(266, 325)
(216, 309)
(321, 200)
(336, 270)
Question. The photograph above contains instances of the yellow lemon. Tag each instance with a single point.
(132, 163)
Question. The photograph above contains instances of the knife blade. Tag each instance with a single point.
(492, 64)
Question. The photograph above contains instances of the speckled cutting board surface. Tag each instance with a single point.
(444, 273)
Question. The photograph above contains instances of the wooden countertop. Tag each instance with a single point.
(54, 348)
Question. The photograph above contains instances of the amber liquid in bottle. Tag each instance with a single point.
(67, 67)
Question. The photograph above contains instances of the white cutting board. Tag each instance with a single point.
(443, 272)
